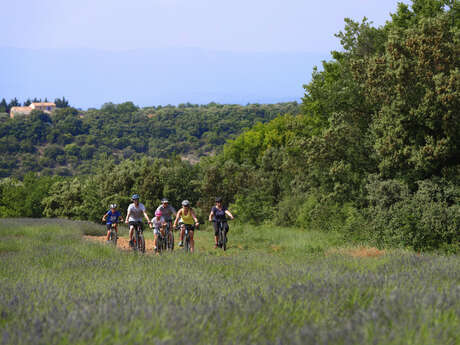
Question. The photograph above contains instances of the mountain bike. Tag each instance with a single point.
(188, 228)
(113, 234)
(222, 237)
(138, 238)
(161, 242)
(169, 235)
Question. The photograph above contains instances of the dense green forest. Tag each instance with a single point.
(69, 141)
(374, 152)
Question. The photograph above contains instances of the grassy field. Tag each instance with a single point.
(273, 286)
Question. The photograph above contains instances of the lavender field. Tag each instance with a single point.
(274, 286)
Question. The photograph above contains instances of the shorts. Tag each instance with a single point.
(109, 226)
(190, 227)
(134, 223)
(216, 228)
(156, 231)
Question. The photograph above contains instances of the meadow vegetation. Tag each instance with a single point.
(372, 152)
(273, 286)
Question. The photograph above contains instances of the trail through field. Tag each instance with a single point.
(122, 243)
(356, 252)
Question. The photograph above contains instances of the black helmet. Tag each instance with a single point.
(164, 200)
(218, 199)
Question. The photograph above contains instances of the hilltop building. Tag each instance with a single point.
(46, 107)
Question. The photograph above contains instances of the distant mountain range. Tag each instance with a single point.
(147, 77)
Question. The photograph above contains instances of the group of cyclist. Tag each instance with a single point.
(163, 219)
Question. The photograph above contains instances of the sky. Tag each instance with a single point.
(151, 29)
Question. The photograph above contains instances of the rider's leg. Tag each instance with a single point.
(131, 230)
(182, 233)
(192, 242)
(108, 232)
(155, 242)
(216, 233)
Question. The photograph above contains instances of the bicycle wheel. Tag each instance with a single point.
(187, 243)
(136, 240)
(224, 240)
(164, 242)
(113, 237)
(161, 243)
(141, 243)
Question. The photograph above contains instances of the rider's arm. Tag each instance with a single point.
(194, 217)
(227, 212)
(127, 216)
(147, 217)
(211, 215)
(177, 217)
(104, 217)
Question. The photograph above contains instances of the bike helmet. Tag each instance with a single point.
(164, 200)
(185, 203)
(135, 197)
(218, 199)
(113, 206)
(158, 213)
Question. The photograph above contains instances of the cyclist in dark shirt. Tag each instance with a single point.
(218, 214)
(111, 217)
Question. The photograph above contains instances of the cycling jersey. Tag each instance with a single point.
(157, 223)
(219, 215)
(166, 212)
(112, 217)
(187, 218)
(136, 213)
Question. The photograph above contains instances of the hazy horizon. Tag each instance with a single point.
(158, 52)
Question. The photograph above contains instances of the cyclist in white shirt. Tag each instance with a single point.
(158, 224)
(134, 217)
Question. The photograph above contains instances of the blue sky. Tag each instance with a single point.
(152, 29)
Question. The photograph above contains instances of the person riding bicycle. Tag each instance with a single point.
(218, 214)
(158, 224)
(112, 216)
(186, 216)
(134, 216)
(168, 212)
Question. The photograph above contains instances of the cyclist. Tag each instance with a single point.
(112, 216)
(186, 216)
(167, 211)
(158, 224)
(135, 212)
(218, 214)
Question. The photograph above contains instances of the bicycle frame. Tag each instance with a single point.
(113, 233)
(139, 238)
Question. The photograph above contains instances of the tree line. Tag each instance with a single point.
(69, 141)
(373, 153)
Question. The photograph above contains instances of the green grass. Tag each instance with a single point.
(273, 286)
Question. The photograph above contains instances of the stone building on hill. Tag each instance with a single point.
(46, 107)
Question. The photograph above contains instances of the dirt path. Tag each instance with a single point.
(122, 243)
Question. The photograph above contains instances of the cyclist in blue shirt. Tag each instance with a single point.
(112, 217)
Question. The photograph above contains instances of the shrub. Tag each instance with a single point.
(253, 207)
(427, 219)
